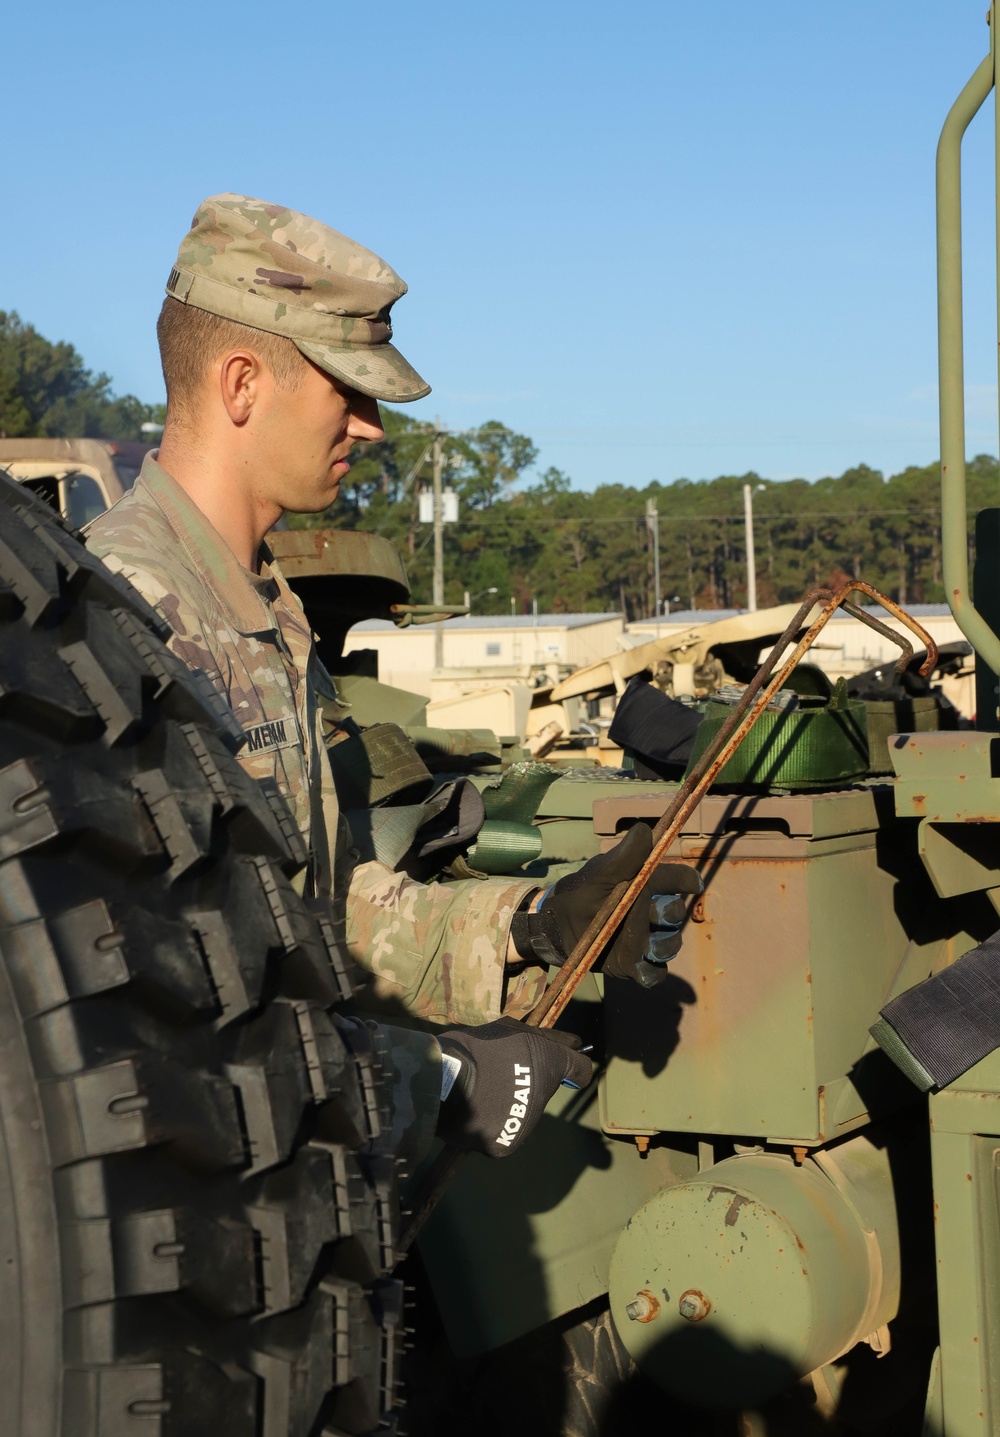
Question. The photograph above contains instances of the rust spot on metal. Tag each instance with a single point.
(647, 1305)
(693, 1305)
(733, 1213)
(698, 909)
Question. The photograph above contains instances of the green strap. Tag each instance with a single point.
(917, 714)
(385, 834)
(438, 744)
(449, 818)
(509, 838)
(517, 793)
(502, 846)
(792, 748)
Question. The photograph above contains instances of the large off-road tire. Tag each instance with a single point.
(194, 1235)
(571, 1378)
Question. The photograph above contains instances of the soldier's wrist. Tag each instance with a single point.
(535, 933)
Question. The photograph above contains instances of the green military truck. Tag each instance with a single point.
(753, 1213)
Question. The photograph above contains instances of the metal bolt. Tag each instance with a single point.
(643, 1307)
(693, 1305)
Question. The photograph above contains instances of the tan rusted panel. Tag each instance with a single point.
(784, 964)
(800, 815)
(704, 1053)
(308, 552)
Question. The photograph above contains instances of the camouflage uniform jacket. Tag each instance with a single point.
(438, 950)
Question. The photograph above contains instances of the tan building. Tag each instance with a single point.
(481, 650)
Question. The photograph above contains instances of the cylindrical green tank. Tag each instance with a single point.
(759, 1270)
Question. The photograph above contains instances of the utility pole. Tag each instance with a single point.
(437, 595)
(653, 525)
(751, 560)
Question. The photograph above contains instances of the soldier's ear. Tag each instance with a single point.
(239, 383)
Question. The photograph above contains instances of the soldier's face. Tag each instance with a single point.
(313, 429)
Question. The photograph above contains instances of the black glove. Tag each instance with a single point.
(647, 939)
(508, 1073)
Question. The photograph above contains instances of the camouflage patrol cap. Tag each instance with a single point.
(275, 269)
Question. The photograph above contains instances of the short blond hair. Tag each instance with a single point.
(191, 338)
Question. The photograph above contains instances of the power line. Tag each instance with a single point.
(535, 518)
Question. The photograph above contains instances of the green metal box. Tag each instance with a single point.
(761, 1030)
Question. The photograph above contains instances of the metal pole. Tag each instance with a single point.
(653, 525)
(751, 557)
(951, 369)
(437, 595)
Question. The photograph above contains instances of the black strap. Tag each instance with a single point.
(943, 1026)
(537, 938)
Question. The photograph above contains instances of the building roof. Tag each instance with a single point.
(689, 618)
(500, 621)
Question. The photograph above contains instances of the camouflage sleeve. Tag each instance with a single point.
(439, 949)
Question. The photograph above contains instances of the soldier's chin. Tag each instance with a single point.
(314, 503)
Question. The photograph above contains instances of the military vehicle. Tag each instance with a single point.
(81, 478)
(754, 1222)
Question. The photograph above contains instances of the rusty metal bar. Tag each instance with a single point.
(907, 648)
(891, 607)
(752, 703)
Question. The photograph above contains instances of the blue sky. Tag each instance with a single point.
(665, 237)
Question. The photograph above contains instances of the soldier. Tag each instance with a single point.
(275, 344)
